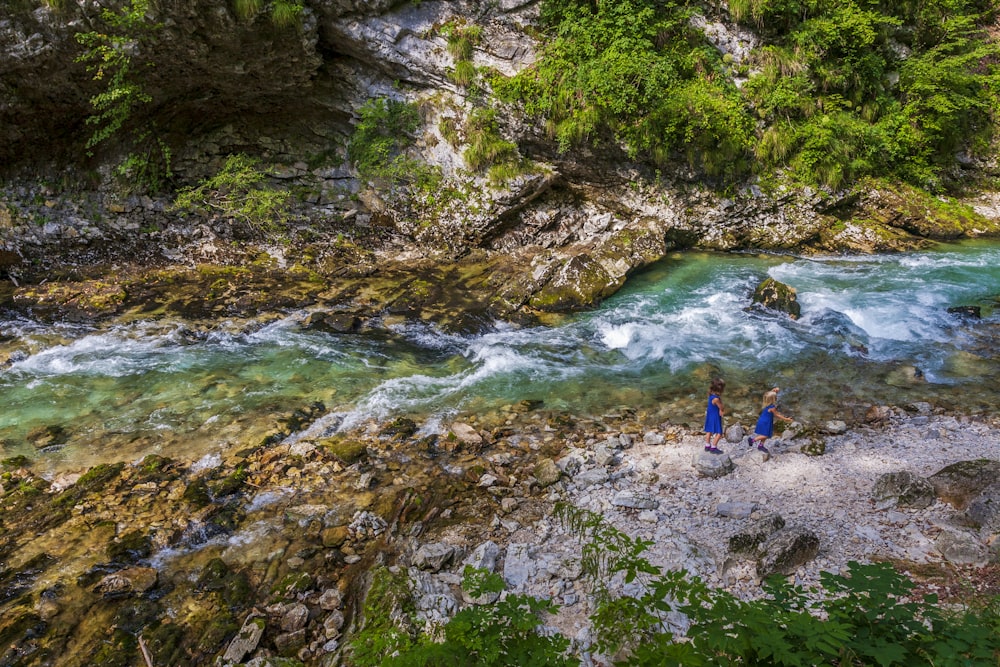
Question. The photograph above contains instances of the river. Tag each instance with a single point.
(874, 329)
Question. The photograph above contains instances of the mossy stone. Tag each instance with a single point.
(347, 450)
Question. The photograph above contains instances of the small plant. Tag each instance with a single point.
(283, 13)
(237, 192)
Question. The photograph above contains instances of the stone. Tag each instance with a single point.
(712, 465)
(332, 624)
(518, 566)
(130, 581)
(774, 295)
(903, 488)
(547, 473)
(960, 483)
(246, 640)
(750, 538)
(736, 510)
(603, 455)
(835, 427)
(653, 438)
(962, 548)
(484, 557)
(295, 617)
(785, 550)
(433, 556)
(878, 414)
(735, 433)
(635, 500)
(984, 510)
(330, 599)
(466, 434)
(592, 477)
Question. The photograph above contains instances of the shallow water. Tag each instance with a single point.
(868, 322)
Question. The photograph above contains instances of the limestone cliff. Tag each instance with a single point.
(568, 227)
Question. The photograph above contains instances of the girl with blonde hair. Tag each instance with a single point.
(765, 423)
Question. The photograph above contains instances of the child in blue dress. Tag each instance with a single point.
(765, 424)
(713, 416)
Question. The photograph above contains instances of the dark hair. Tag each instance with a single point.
(718, 384)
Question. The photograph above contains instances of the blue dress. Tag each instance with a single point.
(713, 419)
(765, 424)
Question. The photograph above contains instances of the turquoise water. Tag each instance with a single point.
(867, 322)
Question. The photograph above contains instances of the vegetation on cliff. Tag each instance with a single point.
(836, 90)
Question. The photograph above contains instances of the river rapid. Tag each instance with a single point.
(874, 329)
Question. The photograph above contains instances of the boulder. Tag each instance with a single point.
(787, 549)
(984, 510)
(962, 548)
(246, 641)
(960, 483)
(547, 473)
(774, 295)
(712, 465)
(747, 540)
(735, 433)
(433, 556)
(635, 500)
(903, 488)
(466, 434)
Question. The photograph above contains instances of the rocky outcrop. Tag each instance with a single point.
(773, 295)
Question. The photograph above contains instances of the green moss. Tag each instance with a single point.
(292, 584)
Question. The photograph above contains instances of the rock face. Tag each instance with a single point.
(222, 83)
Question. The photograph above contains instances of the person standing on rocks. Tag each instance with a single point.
(765, 423)
(713, 416)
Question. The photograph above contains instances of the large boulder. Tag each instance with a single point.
(962, 548)
(773, 295)
(903, 488)
(960, 483)
(787, 549)
(984, 510)
(750, 538)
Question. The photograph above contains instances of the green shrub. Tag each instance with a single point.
(238, 192)
(377, 147)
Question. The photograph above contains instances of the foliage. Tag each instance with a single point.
(377, 147)
(109, 57)
(840, 89)
(506, 633)
(461, 42)
(283, 13)
(865, 616)
(237, 192)
(638, 69)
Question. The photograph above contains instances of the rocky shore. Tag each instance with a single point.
(268, 552)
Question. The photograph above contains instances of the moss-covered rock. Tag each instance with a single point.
(774, 295)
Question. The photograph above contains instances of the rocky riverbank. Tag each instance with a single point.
(278, 540)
